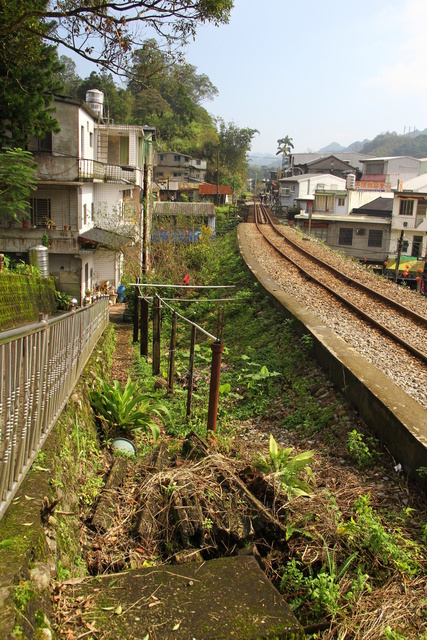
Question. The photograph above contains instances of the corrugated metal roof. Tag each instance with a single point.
(379, 206)
(418, 184)
(184, 208)
(103, 238)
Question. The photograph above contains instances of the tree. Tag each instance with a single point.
(234, 145)
(167, 96)
(118, 102)
(284, 147)
(68, 77)
(17, 180)
(106, 31)
(28, 76)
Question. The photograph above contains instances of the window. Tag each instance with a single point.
(341, 202)
(45, 144)
(82, 141)
(374, 168)
(40, 211)
(91, 139)
(292, 188)
(92, 211)
(84, 214)
(417, 246)
(346, 236)
(161, 158)
(198, 162)
(406, 208)
(375, 238)
(325, 203)
(87, 125)
(176, 158)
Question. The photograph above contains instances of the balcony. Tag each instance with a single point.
(19, 240)
(92, 170)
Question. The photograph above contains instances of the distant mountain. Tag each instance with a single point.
(334, 146)
(356, 147)
(264, 159)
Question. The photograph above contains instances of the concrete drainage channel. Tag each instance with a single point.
(395, 418)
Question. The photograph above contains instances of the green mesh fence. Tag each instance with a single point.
(23, 297)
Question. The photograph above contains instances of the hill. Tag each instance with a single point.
(392, 144)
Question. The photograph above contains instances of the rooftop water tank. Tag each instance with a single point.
(95, 100)
(39, 257)
(351, 181)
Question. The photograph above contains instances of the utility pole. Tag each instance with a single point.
(217, 177)
(399, 251)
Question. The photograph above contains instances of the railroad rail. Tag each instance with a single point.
(370, 305)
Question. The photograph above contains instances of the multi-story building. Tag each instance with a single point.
(178, 167)
(87, 206)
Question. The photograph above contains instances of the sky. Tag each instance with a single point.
(319, 71)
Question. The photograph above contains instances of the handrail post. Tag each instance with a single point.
(217, 349)
(156, 335)
(172, 350)
(135, 313)
(191, 370)
(144, 327)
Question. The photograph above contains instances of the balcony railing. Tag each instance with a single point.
(94, 170)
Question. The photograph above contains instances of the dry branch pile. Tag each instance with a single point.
(191, 508)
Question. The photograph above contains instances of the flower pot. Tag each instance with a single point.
(26, 224)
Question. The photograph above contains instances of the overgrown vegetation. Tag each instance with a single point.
(124, 410)
(351, 560)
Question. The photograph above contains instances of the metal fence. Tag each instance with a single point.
(39, 367)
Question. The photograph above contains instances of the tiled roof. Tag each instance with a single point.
(207, 189)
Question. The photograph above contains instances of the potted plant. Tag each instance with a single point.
(25, 224)
(50, 224)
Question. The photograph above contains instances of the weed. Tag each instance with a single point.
(286, 470)
(307, 341)
(366, 531)
(61, 573)
(23, 594)
(358, 449)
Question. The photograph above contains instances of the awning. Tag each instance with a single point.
(407, 263)
(97, 237)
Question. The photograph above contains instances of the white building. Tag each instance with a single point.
(409, 218)
(87, 206)
(298, 191)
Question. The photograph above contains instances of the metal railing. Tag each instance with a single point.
(39, 366)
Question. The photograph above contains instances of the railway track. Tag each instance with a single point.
(400, 323)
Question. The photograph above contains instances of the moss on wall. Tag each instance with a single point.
(23, 297)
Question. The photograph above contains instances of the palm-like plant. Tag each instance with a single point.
(284, 146)
(286, 470)
(126, 408)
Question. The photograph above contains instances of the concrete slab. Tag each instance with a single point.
(223, 598)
